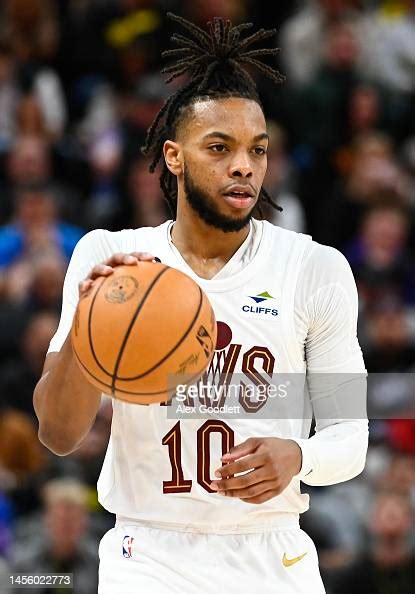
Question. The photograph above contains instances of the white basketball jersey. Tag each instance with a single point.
(159, 469)
(281, 298)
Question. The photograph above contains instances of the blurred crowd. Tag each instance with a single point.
(79, 85)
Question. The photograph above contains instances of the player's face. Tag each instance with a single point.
(224, 146)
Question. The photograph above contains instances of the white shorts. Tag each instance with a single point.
(137, 559)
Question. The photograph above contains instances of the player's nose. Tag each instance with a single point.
(241, 166)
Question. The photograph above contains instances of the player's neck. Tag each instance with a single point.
(194, 236)
(203, 247)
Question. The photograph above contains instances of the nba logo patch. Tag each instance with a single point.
(127, 544)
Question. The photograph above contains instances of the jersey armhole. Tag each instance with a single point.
(294, 264)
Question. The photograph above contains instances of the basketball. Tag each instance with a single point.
(141, 330)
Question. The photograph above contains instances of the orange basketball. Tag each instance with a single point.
(138, 332)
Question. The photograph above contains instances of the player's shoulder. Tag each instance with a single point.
(105, 243)
(285, 236)
(326, 258)
(323, 266)
(290, 245)
(326, 262)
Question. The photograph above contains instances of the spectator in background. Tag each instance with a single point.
(400, 473)
(279, 182)
(327, 94)
(140, 107)
(29, 163)
(304, 33)
(21, 453)
(388, 567)
(18, 376)
(146, 202)
(91, 452)
(29, 119)
(401, 434)
(380, 257)
(395, 64)
(364, 119)
(45, 281)
(104, 160)
(344, 511)
(64, 544)
(6, 516)
(318, 118)
(375, 176)
(9, 94)
(201, 11)
(32, 31)
(42, 110)
(365, 110)
(389, 344)
(22, 459)
(35, 226)
(27, 289)
(334, 550)
(408, 153)
(390, 63)
(31, 27)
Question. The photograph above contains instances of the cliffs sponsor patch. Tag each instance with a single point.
(264, 305)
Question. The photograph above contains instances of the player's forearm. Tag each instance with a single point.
(65, 403)
(335, 454)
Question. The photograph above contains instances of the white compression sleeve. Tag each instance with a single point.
(327, 306)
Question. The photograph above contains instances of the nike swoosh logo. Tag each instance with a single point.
(288, 562)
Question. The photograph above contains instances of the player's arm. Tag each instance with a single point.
(336, 375)
(327, 301)
(64, 401)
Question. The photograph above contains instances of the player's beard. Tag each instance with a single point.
(205, 207)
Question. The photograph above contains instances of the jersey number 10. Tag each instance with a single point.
(173, 440)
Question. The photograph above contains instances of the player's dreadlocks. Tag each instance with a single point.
(214, 60)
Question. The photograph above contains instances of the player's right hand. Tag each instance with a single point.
(107, 268)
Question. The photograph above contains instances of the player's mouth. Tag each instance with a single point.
(240, 196)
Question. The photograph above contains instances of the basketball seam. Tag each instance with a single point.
(163, 359)
(97, 379)
(91, 344)
(126, 391)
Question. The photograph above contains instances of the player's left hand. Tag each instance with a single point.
(268, 464)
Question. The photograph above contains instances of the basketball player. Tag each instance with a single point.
(213, 505)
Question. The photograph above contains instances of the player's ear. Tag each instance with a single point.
(173, 156)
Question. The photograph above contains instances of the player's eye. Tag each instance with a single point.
(218, 148)
(260, 150)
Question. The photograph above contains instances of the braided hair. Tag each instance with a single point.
(213, 60)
